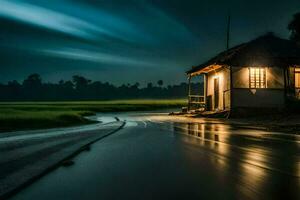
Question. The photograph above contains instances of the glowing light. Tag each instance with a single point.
(257, 77)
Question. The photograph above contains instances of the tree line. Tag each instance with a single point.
(80, 88)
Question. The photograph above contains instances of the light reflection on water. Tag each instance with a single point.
(235, 163)
(260, 163)
(255, 163)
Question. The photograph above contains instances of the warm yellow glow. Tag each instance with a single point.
(297, 69)
(257, 77)
(216, 75)
(207, 69)
(297, 77)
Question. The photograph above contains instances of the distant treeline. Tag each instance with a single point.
(81, 88)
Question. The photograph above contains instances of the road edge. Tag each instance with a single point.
(58, 164)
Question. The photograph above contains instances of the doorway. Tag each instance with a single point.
(297, 82)
(216, 93)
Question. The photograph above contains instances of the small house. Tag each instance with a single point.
(261, 75)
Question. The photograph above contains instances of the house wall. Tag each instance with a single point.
(224, 84)
(272, 96)
(275, 78)
(267, 98)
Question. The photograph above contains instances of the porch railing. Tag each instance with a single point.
(196, 102)
(196, 99)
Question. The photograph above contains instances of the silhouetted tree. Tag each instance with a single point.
(80, 82)
(149, 85)
(33, 81)
(66, 90)
(137, 84)
(61, 82)
(294, 28)
(13, 89)
(32, 87)
(160, 83)
(81, 88)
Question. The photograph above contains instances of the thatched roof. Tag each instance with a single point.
(267, 50)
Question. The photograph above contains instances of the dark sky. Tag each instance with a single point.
(124, 41)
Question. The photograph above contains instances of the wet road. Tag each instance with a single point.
(161, 157)
(25, 155)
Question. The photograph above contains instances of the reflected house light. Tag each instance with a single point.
(298, 168)
(253, 167)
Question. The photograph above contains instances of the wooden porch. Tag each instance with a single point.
(215, 94)
(196, 102)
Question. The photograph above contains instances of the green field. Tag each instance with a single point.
(35, 115)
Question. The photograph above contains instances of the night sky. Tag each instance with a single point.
(125, 41)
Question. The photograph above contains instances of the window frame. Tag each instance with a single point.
(258, 80)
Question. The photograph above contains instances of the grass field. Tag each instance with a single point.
(35, 115)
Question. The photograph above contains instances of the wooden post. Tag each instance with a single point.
(286, 78)
(231, 88)
(205, 90)
(189, 93)
(224, 100)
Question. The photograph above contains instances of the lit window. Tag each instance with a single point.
(257, 77)
(297, 77)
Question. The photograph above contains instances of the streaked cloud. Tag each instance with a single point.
(46, 18)
(89, 56)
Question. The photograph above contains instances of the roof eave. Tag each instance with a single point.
(204, 70)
